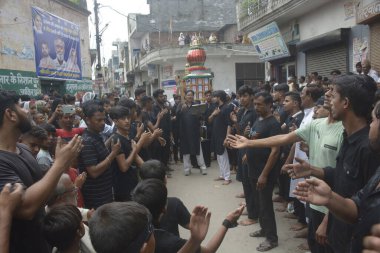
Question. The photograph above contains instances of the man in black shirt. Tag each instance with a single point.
(162, 152)
(17, 165)
(262, 173)
(245, 117)
(95, 159)
(361, 210)
(220, 119)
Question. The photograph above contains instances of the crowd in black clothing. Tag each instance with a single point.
(76, 172)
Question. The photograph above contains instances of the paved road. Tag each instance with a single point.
(197, 189)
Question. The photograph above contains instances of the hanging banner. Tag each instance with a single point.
(269, 43)
(57, 46)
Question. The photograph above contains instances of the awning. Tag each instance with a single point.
(336, 36)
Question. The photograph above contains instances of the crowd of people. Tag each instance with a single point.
(75, 172)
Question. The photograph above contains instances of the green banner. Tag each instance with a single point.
(23, 82)
(73, 86)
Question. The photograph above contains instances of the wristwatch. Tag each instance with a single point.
(229, 224)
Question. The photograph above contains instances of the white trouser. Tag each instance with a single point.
(187, 163)
(224, 165)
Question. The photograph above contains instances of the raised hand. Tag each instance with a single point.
(199, 223)
(79, 181)
(115, 147)
(314, 191)
(66, 153)
(144, 138)
(237, 141)
(162, 141)
(235, 215)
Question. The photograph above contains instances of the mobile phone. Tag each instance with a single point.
(68, 109)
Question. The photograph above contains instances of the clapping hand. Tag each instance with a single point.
(199, 223)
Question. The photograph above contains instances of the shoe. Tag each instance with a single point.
(187, 172)
(204, 171)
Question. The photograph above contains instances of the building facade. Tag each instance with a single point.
(18, 64)
(320, 35)
(158, 59)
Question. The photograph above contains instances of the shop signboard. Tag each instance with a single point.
(269, 43)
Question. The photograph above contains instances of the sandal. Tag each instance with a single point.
(266, 245)
(258, 233)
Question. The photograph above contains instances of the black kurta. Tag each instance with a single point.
(219, 128)
(189, 131)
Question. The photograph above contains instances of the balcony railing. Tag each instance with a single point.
(252, 10)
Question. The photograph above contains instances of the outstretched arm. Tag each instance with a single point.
(317, 192)
(239, 141)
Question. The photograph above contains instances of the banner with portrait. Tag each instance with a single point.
(57, 46)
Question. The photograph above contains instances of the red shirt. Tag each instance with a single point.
(68, 135)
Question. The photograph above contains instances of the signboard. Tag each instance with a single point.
(23, 82)
(370, 9)
(269, 43)
(73, 86)
(57, 46)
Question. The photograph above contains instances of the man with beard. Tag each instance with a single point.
(46, 61)
(189, 132)
(160, 109)
(59, 62)
(362, 209)
(17, 165)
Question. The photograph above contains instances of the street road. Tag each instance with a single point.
(203, 190)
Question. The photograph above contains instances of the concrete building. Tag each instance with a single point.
(156, 59)
(320, 35)
(17, 52)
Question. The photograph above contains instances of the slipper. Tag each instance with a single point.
(247, 222)
(218, 179)
(226, 182)
(258, 233)
(240, 196)
(266, 245)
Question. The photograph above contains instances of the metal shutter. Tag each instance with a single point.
(324, 59)
(374, 46)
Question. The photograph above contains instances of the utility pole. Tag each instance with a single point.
(98, 40)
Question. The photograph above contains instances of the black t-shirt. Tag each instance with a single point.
(257, 157)
(165, 123)
(176, 214)
(23, 168)
(123, 182)
(167, 242)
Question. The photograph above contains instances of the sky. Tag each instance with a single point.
(117, 24)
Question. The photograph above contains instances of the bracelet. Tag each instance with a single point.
(229, 224)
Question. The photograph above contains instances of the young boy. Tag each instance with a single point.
(124, 167)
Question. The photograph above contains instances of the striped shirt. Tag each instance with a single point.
(96, 191)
